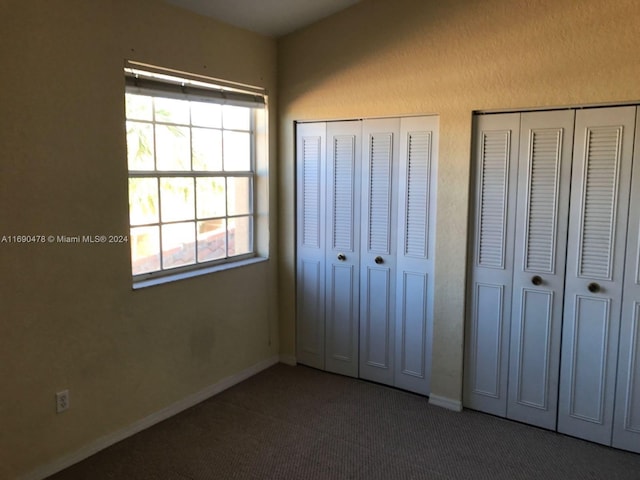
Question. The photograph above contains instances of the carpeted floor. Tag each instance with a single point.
(300, 423)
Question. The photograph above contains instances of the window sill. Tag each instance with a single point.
(196, 273)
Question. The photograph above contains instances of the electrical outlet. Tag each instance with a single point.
(62, 401)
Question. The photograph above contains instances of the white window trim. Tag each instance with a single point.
(175, 276)
(258, 171)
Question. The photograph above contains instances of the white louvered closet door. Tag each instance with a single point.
(626, 429)
(310, 255)
(378, 249)
(416, 252)
(344, 145)
(595, 266)
(496, 140)
(544, 179)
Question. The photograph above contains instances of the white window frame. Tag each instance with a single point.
(157, 82)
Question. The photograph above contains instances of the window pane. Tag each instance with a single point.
(179, 153)
(178, 244)
(140, 146)
(176, 199)
(171, 110)
(145, 249)
(236, 118)
(212, 240)
(207, 149)
(206, 114)
(240, 235)
(238, 195)
(173, 148)
(237, 151)
(138, 107)
(143, 201)
(210, 197)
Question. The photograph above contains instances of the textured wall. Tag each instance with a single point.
(383, 58)
(68, 315)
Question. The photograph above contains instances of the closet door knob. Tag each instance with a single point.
(342, 257)
(593, 287)
(536, 280)
(379, 260)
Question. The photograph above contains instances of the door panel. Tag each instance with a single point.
(341, 335)
(626, 429)
(532, 387)
(310, 253)
(411, 335)
(489, 318)
(415, 253)
(343, 244)
(544, 177)
(377, 254)
(310, 313)
(595, 268)
(588, 377)
(378, 315)
(487, 328)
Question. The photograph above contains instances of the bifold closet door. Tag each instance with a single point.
(496, 140)
(544, 178)
(626, 428)
(310, 230)
(342, 307)
(365, 260)
(415, 252)
(378, 249)
(595, 264)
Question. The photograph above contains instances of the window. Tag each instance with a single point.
(191, 149)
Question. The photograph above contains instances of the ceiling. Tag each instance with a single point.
(268, 17)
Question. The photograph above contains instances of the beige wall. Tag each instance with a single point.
(383, 58)
(68, 315)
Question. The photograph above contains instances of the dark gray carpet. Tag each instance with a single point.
(300, 423)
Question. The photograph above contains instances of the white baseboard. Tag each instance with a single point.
(444, 402)
(288, 360)
(144, 423)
